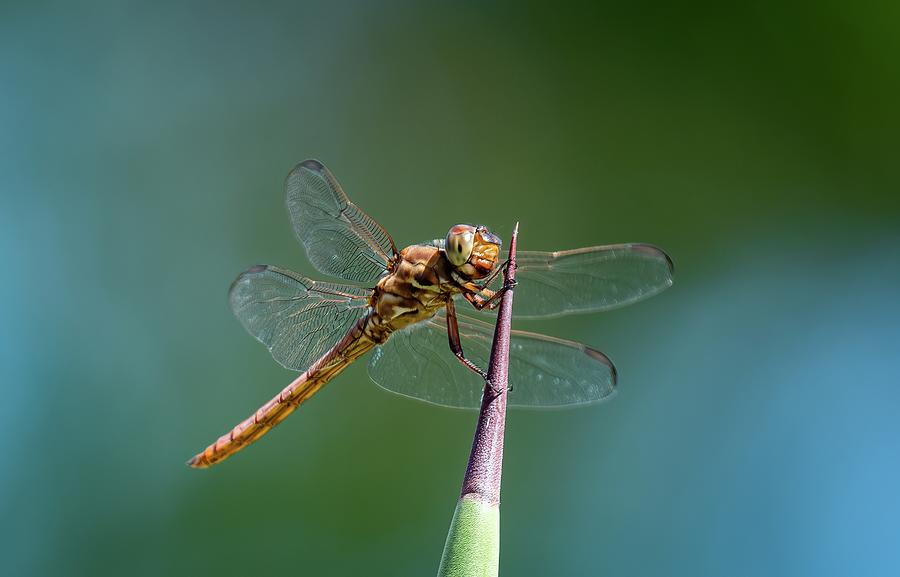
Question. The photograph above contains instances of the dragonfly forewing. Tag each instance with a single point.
(340, 239)
(543, 372)
(586, 280)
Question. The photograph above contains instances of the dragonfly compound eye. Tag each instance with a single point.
(459, 245)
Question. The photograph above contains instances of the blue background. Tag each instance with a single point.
(143, 149)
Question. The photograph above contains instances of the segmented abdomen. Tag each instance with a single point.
(347, 350)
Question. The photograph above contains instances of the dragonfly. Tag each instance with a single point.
(423, 311)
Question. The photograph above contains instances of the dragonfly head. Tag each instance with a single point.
(473, 250)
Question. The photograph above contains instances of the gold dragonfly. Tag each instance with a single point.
(410, 315)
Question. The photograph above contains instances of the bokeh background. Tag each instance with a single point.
(143, 148)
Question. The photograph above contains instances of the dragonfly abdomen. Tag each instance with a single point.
(354, 344)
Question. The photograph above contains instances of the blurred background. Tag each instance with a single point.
(143, 148)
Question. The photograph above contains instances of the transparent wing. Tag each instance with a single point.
(543, 371)
(298, 319)
(340, 239)
(586, 280)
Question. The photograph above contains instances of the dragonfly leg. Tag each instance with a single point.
(478, 299)
(456, 343)
(496, 390)
(456, 347)
(498, 270)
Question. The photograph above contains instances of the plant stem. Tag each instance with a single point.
(473, 542)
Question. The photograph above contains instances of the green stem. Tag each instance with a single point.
(473, 543)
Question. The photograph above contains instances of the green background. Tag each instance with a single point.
(143, 149)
